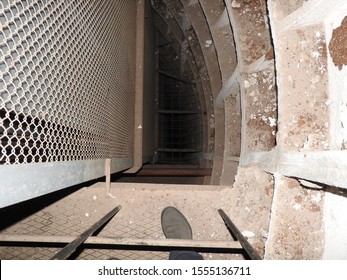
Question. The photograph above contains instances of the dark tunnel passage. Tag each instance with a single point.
(198, 103)
(179, 114)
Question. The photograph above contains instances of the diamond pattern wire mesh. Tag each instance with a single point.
(66, 80)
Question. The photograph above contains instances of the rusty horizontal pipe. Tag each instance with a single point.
(175, 172)
(95, 240)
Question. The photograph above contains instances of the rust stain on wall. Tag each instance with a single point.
(338, 45)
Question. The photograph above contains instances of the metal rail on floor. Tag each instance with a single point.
(86, 238)
(253, 254)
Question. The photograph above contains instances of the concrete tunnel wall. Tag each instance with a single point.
(272, 80)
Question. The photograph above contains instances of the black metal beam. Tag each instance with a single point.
(253, 254)
(166, 74)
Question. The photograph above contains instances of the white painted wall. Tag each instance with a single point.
(335, 224)
(335, 206)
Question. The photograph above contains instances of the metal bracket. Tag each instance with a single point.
(108, 177)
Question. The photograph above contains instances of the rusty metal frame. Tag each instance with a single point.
(113, 242)
(175, 172)
(139, 86)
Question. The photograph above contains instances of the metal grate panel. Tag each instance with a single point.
(67, 75)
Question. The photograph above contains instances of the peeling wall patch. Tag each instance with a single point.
(338, 45)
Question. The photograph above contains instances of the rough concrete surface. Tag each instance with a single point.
(304, 120)
(297, 227)
(250, 203)
(257, 74)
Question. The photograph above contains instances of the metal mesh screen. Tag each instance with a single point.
(67, 74)
(179, 111)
